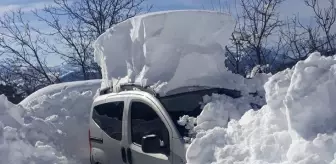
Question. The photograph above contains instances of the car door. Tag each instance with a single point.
(109, 117)
(145, 119)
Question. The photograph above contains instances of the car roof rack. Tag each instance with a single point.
(222, 91)
(182, 90)
(128, 87)
(105, 91)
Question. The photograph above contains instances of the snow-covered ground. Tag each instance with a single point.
(296, 126)
(49, 126)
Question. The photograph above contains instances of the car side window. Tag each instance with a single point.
(108, 117)
(145, 121)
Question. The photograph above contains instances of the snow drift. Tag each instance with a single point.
(49, 126)
(296, 126)
(170, 49)
(18, 148)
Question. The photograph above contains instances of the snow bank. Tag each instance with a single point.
(295, 127)
(172, 48)
(51, 126)
(217, 111)
(17, 148)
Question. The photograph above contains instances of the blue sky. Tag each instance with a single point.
(288, 9)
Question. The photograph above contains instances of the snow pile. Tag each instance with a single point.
(217, 111)
(17, 148)
(295, 127)
(220, 109)
(171, 49)
(51, 125)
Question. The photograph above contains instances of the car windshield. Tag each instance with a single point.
(190, 103)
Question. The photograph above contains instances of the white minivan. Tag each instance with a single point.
(135, 125)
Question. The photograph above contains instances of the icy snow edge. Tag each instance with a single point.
(171, 49)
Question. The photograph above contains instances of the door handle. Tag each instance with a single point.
(123, 154)
(129, 156)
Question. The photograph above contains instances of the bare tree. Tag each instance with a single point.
(325, 17)
(98, 15)
(73, 43)
(235, 53)
(302, 39)
(76, 24)
(24, 59)
(258, 20)
(295, 40)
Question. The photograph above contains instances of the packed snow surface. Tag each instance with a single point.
(171, 49)
(50, 126)
(296, 126)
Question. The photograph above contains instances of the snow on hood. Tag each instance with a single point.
(296, 126)
(172, 48)
(79, 86)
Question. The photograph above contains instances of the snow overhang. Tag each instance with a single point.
(168, 50)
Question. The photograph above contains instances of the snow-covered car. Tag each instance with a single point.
(135, 125)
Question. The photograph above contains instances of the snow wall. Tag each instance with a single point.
(49, 126)
(168, 49)
(296, 126)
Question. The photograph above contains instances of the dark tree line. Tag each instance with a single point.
(270, 44)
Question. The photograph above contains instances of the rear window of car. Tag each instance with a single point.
(109, 118)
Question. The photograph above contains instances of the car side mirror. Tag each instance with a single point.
(151, 144)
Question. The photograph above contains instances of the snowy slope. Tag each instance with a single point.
(179, 48)
(296, 126)
(51, 125)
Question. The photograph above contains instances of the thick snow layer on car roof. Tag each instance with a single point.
(171, 49)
